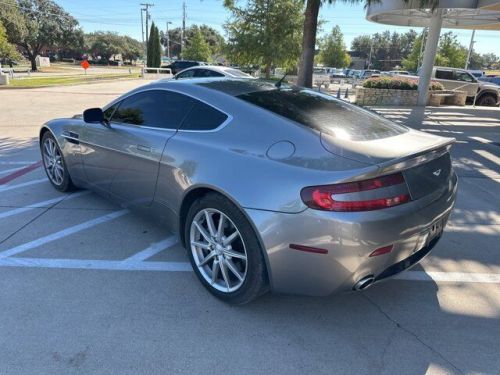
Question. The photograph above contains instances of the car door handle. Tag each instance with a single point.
(144, 148)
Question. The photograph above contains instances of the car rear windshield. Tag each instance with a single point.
(324, 113)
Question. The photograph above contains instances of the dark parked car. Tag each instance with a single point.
(180, 65)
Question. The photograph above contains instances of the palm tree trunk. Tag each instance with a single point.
(308, 43)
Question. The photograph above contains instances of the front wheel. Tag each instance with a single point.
(53, 162)
(224, 250)
(488, 100)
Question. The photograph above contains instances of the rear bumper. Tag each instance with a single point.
(350, 238)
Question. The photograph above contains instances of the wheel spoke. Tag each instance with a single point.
(206, 259)
(225, 276)
(220, 229)
(202, 245)
(233, 269)
(210, 223)
(202, 231)
(231, 238)
(215, 271)
(234, 254)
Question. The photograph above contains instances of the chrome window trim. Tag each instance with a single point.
(122, 98)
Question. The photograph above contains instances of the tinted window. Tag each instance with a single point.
(203, 117)
(324, 113)
(207, 73)
(155, 108)
(186, 74)
(109, 112)
(464, 77)
(444, 74)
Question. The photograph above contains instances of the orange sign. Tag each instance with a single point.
(85, 64)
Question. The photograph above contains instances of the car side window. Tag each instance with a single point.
(154, 108)
(203, 117)
(186, 74)
(207, 73)
(464, 77)
(444, 74)
(110, 111)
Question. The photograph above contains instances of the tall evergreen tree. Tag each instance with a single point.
(154, 48)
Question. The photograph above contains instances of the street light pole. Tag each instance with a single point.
(471, 47)
(168, 41)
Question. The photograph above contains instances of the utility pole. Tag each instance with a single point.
(370, 57)
(183, 33)
(168, 40)
(143, 44)
(471, 47)
(148, 17)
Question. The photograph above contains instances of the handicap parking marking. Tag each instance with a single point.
(63, 233)
(20, 172)
(43, 204)
(4, 188)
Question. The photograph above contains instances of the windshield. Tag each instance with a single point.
(324, 113)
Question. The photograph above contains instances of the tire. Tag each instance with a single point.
(60, 180)
(252, 281)
(487, 100)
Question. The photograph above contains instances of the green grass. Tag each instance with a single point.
(66, 80)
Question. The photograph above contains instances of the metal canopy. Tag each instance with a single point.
(458, 14)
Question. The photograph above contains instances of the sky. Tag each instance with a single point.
(123, 16)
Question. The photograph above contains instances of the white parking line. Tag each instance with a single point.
(12, 187)
(110, 265)
(62, 233)
(42, 204)
(17, 162)
(455, 277)
(10, 170)
(153, 249)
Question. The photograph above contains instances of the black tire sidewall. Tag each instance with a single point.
(67, 184)
(485, 97)
(255, 283)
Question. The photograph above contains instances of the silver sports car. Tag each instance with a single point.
(271, 187)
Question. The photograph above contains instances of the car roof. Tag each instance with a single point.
(230, 86)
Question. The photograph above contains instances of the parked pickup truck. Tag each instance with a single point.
(488, 94)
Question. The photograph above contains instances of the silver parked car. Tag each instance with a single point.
(271, 187)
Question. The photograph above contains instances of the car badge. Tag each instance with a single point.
(437, 172)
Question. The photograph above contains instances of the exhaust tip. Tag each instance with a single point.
(364, 283)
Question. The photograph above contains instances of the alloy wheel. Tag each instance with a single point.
(218, 250)
(53, 162)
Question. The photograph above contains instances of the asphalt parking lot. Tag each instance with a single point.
(87, 287)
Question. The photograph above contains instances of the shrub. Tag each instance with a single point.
(398, 83)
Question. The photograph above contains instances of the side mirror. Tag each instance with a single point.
(93, 115)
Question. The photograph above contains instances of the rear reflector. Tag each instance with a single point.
(308, 249)
(382, 250)
(323, 197)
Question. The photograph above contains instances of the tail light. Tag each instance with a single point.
(326, 197)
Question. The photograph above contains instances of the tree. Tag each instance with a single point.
(450, 52)
(132, 49)
(198, 49)
(154, 48)
(214, 39)
(35, 25)
(7, 50)
(264, 32)
(103, 44)
(309, 34)
(412, 61)
(333, 50)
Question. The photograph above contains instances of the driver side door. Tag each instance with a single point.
(123, 158)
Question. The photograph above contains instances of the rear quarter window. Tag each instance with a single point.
(203, 117)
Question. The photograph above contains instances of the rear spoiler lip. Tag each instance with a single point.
(404, 162)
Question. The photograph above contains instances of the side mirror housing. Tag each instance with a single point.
(93, 115)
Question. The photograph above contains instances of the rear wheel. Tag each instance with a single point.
(53, 162)
(488, 100)
(224, 250)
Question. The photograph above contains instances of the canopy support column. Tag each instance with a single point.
(429, 56)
